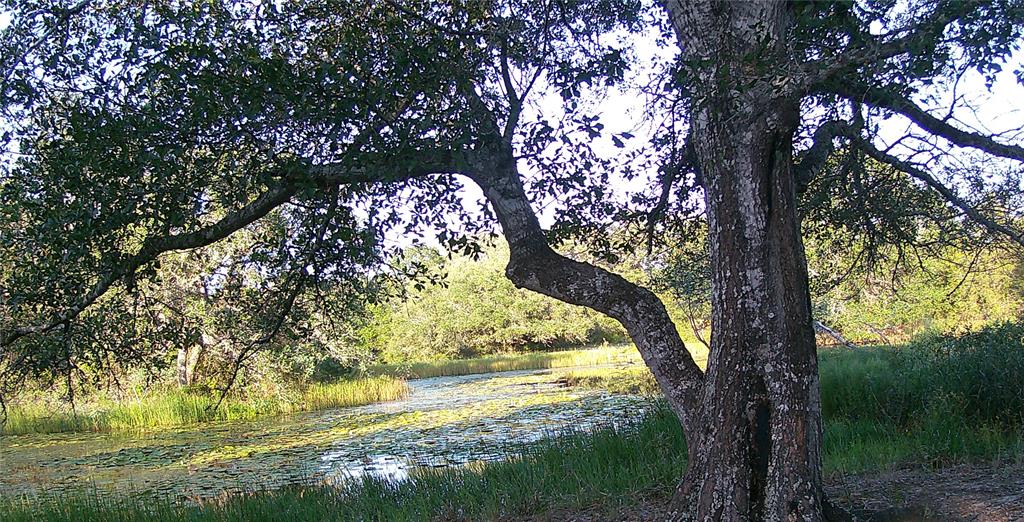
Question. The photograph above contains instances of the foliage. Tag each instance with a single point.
(948, 292)
(477, 311)
(943, 289)
(201, 120)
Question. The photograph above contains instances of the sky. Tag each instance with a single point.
(998, 110)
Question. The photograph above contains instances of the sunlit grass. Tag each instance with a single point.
(354, 392)
(505, 363)
(166, 408)
(637, 381)
(883, 408)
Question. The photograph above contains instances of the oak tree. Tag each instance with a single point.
(142, 128)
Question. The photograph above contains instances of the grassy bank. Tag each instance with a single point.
(607, 468)
(934, 403)
(175, 407)
(506, 363)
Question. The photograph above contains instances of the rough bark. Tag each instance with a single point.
(758, 453)
(534, 265)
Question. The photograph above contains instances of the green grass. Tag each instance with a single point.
(506, 363)
(937, 420)
(167, 408)
(355, 392)
(637, 381)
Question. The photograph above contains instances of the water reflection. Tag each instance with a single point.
(447, 421)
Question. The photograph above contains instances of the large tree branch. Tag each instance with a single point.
(534, 265)
(974, 214)
(152, 248)
(412, 166)
(894, 102)
(875, 50)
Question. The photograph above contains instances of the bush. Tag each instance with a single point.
(975, 377)
(480, 312)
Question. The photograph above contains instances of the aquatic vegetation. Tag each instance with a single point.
(638, 381)
(504, 363)
(449, 421)
(167, 408)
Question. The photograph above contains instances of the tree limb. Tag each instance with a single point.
(894, 102)
(428, 162)
(974, 214)
(534, 265)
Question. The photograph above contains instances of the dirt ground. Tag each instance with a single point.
(965, 493)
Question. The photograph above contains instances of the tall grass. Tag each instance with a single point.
(605, 469)
(356, 392)
(976, 376)
(941, 418)
(505, 363)
(935, 400)
(165, 408)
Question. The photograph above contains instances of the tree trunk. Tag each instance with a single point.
(182, 366)
(758, 453)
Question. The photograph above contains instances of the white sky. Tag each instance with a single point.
(998, 110)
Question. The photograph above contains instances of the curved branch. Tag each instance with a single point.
(153, 248)
(421, 164)
(974, 214)
(534, 265)
(894, 102)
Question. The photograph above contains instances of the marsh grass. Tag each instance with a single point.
(637, 381)
(356, 392)
(505, 363)
(166, 408)
(940, 415)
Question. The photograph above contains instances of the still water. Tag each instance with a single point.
(446, 421)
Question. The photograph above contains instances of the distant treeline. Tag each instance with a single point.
(196, 329)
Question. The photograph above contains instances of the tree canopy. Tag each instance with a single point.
(133, 130)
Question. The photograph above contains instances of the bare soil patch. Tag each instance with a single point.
(992, 492)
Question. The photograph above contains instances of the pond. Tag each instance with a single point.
(446, 421)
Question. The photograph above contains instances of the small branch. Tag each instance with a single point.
(992, 226)
(894, 102)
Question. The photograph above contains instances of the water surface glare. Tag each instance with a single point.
(446, 421)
